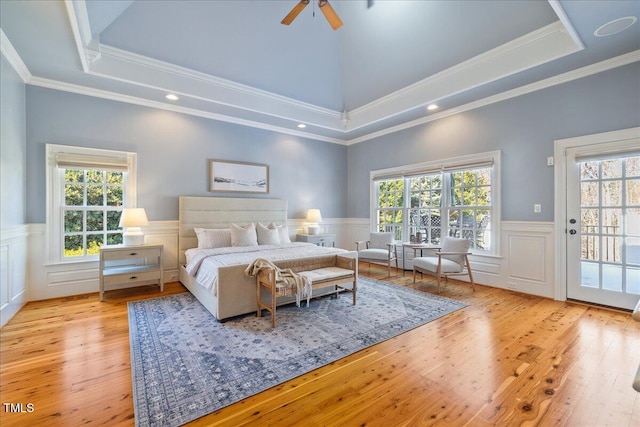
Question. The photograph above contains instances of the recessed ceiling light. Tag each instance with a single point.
(171, 97)
(615, 26)
(432, 107)
(302, 126)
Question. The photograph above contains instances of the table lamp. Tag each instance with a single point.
(313, 218)
(131, 220)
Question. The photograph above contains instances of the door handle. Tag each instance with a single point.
(572, 231)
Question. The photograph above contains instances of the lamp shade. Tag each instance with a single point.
(314, 215)
(133, 217)
(313, 218)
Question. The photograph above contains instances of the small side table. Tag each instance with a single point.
(318, 239)
(130, 264)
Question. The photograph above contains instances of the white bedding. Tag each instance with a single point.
(203, 264)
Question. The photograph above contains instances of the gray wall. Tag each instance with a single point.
(173, 150)
(523, 128)
(12, 146)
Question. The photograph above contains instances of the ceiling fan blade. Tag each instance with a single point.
(330, 14)
(294, 12)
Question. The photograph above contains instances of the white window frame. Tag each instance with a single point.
(55, 193)
(450, 164)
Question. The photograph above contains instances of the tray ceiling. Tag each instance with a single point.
(234, 61)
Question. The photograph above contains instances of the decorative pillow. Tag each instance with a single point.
(244, 236)
(267, 235)
(210, 238)
(283, 232)
(380, 240)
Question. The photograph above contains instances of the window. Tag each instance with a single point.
(391, 206)
(87, 191)
(422, 203)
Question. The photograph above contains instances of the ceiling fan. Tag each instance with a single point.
(325, 7)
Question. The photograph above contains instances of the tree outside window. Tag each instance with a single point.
(93, 202)
(422, 208)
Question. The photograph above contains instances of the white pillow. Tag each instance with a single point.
(244, 236)
(210, 238)
(267, 235)
(283, 232)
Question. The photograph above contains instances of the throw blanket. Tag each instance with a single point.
(287, 282)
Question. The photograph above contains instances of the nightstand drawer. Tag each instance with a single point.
(130, 254)
(114, 277)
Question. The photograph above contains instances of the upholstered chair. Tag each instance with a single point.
(452, 259)
(379, 249)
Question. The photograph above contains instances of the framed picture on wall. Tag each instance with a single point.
(238, 177)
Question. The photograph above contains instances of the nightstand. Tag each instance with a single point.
(130, 264)
(317, 239)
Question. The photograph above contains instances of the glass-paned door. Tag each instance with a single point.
(603, 240)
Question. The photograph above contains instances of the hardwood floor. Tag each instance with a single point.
(508, 359)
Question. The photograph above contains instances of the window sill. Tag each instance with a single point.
(95, 260)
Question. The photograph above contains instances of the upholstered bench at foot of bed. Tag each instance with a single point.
(341, 272)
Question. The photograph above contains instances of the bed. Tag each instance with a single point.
(225, 290)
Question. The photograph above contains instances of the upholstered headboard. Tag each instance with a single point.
(220, 212)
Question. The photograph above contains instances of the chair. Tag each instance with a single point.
(452, 259)
(379, 249)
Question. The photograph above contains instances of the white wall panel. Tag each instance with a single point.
(13, 271)
(526, 265)
(63, 279)
(529, 251)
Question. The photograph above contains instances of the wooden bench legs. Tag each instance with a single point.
(266, 280)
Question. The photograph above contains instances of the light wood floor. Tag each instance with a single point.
(508, 359)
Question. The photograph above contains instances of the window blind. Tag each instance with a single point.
(84, 161)
(590, 157)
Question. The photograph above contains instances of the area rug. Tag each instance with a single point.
(185, 364)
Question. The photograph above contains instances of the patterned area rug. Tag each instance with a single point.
(185, 364)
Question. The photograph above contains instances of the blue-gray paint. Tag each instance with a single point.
(12, 146)
(173, 150)
(522, 128)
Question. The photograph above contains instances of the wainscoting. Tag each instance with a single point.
(74, 278)
(13, 271)
(525, 264)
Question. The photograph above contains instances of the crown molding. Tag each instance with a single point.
(535, 48)
(532, 49)
(79, 22)
(114, 96)
(568, 25)
(125, 66)
(11, 54)
(576, 74)
(579, 73)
